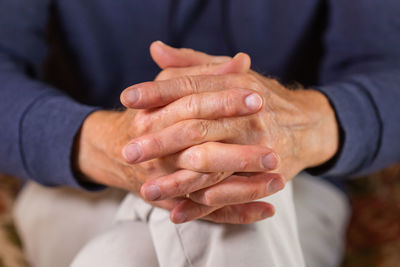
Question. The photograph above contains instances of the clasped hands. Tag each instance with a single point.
(207, 138)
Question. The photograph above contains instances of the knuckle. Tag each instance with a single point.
(197, 131)
(198, 211)
(156, 144)
(229, 105)
(189, 82)
(198, 159)
(216, 177)
(244, 164)
(128, 180)
(192, 105)
(253, 194)
(208, 199)
(127, 172)
(203, 128)
(245, 218)
(178, 187)
(149, 167)
(225, 215)
(142, 124)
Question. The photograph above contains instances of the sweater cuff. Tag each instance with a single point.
(47, 132)
(360, 129)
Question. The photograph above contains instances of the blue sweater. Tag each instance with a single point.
(61, 60)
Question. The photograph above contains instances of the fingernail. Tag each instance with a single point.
(132, 152)
(253, 102)
(152, 192)
(180, 217)
(269, 161)
(132, 96)
(265, 214)
(275, 185)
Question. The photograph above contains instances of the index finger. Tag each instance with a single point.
(160, 93)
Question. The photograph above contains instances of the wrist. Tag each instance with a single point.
(97, 143)
(320, 142)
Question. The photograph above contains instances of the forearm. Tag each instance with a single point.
(360, 74)
(367, 109)
(38, 121)
(39, 126)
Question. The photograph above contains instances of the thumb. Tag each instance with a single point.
(166, 56)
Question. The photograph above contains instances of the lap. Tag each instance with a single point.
(272, 242)
(125, 244)
(192, 243)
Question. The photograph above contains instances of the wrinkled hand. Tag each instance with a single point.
(104, 133)
(299, 125)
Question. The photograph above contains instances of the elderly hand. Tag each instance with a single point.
(104, 133)
(300, 125)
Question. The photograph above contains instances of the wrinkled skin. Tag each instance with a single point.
(196, 131)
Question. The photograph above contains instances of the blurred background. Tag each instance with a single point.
(373, 236)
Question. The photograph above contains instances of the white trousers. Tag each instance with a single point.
(57, 223)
